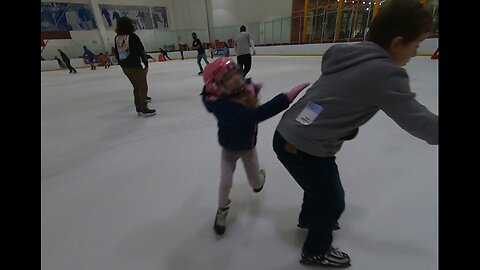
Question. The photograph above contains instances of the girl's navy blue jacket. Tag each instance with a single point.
(237, 123)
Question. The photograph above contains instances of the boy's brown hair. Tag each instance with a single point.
(406, 18)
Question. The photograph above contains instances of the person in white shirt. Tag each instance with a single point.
(243, 42)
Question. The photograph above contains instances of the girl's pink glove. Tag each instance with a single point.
(292, 94)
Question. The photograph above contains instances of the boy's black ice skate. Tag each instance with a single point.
(332, 258)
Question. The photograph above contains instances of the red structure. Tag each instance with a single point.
(435, 55)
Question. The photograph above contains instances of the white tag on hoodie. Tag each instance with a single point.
(309, 113)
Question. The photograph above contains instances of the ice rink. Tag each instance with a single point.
(122, 192)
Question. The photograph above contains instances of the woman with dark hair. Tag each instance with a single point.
(357, 81)
(129, 51)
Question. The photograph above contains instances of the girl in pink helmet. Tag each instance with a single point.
(233, 100)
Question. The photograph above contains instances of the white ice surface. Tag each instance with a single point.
(122, 192)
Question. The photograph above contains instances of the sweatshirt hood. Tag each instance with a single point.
(342, 56)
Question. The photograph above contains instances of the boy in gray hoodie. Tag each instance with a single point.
(357, 81)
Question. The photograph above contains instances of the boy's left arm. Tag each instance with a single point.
(399, 103)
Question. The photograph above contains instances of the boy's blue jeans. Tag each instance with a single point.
(323, 195)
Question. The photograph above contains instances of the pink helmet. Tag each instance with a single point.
(214, 73)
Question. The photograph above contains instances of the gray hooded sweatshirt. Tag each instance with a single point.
(357, 81)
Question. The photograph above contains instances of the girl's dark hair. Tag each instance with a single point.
(406, 18)
(125, 26)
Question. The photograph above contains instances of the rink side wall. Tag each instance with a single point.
(426, 48)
